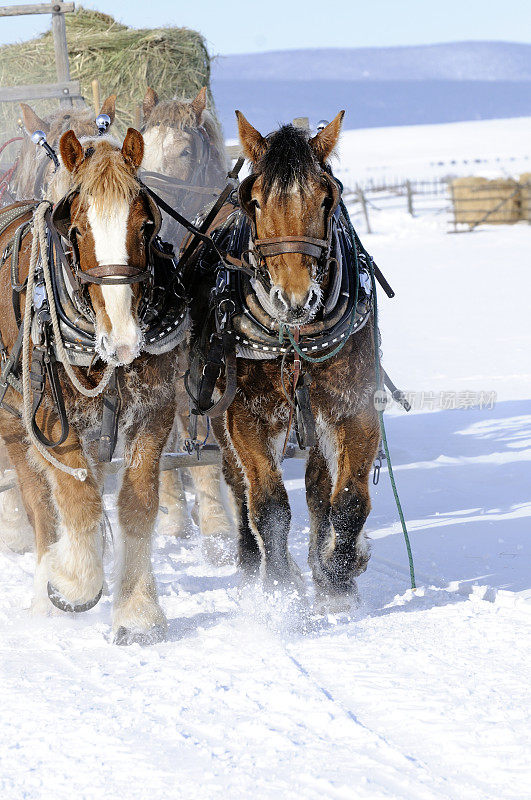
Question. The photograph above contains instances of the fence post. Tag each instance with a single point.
(302, 122)
(409, 198)
(363, 201)
(96, 95)
(61, 51)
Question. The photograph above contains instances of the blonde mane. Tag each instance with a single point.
(104, 177)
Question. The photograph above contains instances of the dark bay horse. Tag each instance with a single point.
(110, 222)
(290, 206)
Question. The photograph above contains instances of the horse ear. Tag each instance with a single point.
(133, 147)
(151, 99)
(199, 104)
(32, 122)
(325, 141)
(71, 151)
(109, 107)
(253, 143)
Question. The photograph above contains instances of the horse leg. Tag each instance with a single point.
(74, 561)
(318, 492)
(138, 616)
(340, 549)
(174, 519)
(269, 514)
(15, 527)
(249, 555)
(35, 492)
(212, 517)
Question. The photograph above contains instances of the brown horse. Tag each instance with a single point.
(110, 222)
(290, 206)
(185, 162)
(31, 179)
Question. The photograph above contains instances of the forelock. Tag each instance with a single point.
(288, 163)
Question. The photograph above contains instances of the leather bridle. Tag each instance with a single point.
(262, 249)
(102, 274)
(195, 183)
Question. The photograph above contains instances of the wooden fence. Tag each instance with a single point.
(66, 90)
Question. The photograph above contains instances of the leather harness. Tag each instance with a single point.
(239, 326)
(162, 312)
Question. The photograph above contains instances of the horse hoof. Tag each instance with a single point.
(63, 604)
(335, 602)
(126, 636)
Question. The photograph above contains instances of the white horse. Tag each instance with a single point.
(185, 162)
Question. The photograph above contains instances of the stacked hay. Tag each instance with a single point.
(174, 61)
(525, 195)
(477, 199)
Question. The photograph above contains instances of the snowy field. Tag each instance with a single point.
(491, 148)
(415, 696)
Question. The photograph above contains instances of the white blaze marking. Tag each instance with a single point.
(109, 229)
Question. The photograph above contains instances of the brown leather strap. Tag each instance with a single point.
(113, 274)
(295, 380)
(231, 386)
(305, 245)
(280, 239)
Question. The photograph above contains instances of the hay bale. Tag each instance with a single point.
(525, 196)
(174, 61)
(498, 201)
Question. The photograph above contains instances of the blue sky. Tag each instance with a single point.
(233, 26)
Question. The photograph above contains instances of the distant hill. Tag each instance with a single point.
(377, 86)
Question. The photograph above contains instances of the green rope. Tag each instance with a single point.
(381, 419)
(320, 359)
(397, 501)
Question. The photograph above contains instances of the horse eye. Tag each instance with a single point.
(255, 203)
(186, 153)
(327, 203)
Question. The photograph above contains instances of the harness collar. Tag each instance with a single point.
(257, 333)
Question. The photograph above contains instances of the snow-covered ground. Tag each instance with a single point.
(491, 148)
(416, 696)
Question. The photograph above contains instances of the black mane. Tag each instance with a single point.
(288, 160)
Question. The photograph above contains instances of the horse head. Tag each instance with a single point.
(184, 148)
(34, 176)
(110, 222)
(175, 138)
(290, 199)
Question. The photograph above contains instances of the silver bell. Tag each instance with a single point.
(103, 123)
(38, 137)
(322, 124)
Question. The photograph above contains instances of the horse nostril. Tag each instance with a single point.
(279, 298)
(312, 299)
